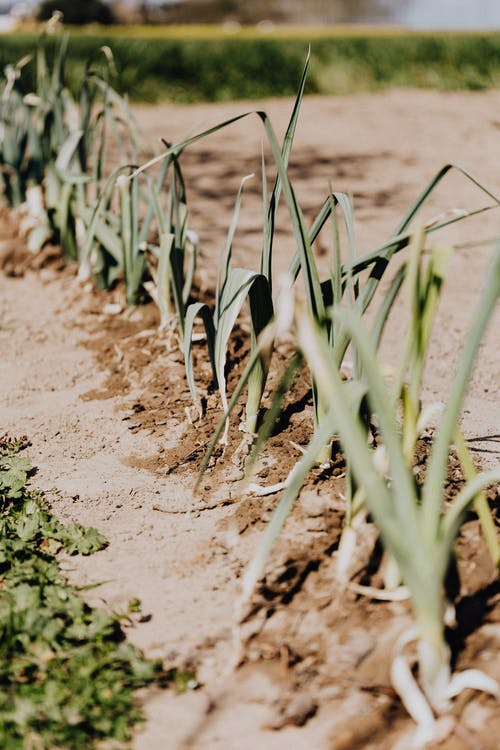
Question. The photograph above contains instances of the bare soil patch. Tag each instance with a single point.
(105, 403)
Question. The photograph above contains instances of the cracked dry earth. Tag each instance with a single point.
(103, 400)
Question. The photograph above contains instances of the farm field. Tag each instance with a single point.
(104, 400)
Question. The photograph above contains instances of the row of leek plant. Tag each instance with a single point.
(414, 528)
(344, 284)
(417, 533)
(235, 286)
(418, 528)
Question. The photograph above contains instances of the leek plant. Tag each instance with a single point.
(15, 132)
(54, 149)
(423, 288)
(417, 529)
(35, 128)
(98, 124)
(129, 225)
(177, 253)
(234, 286)
(113, 248)
(94, 129)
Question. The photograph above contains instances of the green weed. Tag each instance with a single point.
(67, 675)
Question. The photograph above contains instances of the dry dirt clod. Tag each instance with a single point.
(293, 710)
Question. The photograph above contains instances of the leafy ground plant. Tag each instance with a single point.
(67, 675)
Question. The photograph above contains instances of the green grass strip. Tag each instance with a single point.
(209, 64)
(67, 674)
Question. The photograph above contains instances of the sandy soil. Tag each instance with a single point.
(103, 401)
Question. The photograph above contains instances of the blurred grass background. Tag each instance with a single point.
(203, 63)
